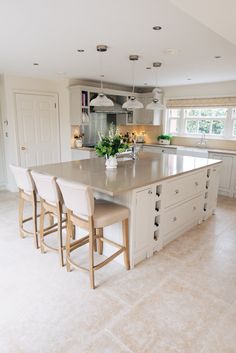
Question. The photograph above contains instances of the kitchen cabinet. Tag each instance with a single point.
(143, 224)
(226, 173)
(79, 154)
(159, 149)
(80, 96)
(145, 116)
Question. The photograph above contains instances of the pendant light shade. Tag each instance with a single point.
(155, 104)
(101, 100)
(132, 103)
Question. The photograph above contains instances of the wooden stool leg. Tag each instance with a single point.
(41, 230)
(125, 231)
(100, 242)
(69, 235)
(60, 238)
(91, 256)
(73, 231)
(35, 228)
(21, 208)
(51, 219)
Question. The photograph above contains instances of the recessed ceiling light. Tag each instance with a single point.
(80, 50)
(36, 64)
(157, 28)
(217, 57)
(171, 51)
(148, 68)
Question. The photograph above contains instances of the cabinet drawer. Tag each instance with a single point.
(181, 215)
(184, 188)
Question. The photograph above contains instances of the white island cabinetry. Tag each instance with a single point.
(166, 195)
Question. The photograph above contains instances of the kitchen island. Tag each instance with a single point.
(167, 195)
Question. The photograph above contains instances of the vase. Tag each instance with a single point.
(111, 162)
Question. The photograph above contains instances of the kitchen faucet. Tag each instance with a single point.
(203, 142)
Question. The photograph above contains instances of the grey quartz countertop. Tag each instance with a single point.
(147, 169)
(213, 150)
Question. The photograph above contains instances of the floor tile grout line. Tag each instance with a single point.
(119, 341)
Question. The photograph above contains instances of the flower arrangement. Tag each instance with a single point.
(109, 146)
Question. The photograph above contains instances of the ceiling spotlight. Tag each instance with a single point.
(157, 28)
(217, 57)
(36, 64)
(80, 50)
(171, 51)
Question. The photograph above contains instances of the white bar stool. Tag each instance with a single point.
(51, 202)
(85, 212)
(27, 192)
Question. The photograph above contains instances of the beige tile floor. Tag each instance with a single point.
(182, 300)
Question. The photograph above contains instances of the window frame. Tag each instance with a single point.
(229, 122)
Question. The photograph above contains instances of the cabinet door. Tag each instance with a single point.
(148, 115)
(144, 220)
(225, 171)
(75, 106)
(139, 114)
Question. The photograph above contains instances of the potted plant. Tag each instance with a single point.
(164, 139)
(109, 146)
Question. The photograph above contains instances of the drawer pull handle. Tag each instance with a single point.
(196, 183)
(177, 191)
(174, 219)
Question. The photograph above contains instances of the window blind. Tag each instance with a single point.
(202, 102)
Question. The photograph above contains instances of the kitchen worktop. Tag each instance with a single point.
(148, 168)
(213, 150)
(173, 147)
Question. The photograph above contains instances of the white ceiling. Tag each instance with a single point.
(50, 31)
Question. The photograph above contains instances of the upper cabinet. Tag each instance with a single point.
(81, 96)
(145, 116)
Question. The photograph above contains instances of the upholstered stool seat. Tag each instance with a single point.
(107, 213)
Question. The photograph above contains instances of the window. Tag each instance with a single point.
(213, 121)
(210, 121)
(174, 121)
(234, 121)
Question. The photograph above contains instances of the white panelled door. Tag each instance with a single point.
(38, 129)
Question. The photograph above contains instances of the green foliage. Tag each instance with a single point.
(110, 146)
(164, 137)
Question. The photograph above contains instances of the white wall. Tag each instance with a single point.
(2, 156)
(10, 84)
(217, 89)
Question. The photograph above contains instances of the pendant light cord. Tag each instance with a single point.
(133, 76)
(101, 69)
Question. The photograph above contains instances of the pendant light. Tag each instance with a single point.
(132, 103)
(101, 100)
(155, 104)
